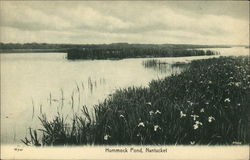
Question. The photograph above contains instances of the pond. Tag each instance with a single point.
(36, 83)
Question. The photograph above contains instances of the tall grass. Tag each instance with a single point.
(206, 104)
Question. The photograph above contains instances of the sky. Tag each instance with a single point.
(98, 22)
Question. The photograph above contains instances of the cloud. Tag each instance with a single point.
(133, 22)
(26, 18)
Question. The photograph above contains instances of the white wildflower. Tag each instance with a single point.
(196, 126)
(157, 112)
(190, 103)
(106, 137)
(210, 119)
(149, 103)
(182, 114)
(237, 84)
(202, 110)
(192, 142)
(209, 82)
(151, 113)
(156, 127)
(198, 123)
(121, 116)
(195, 117)
(227, 100)
(141, 124)
(238, 104)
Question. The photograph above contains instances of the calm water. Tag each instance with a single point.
(37, 83)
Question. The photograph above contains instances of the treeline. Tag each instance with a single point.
(103, 46)
(34, 47)
(7, 46)
(93, 53)
(39, 47)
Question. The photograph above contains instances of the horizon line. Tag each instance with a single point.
(126, 43)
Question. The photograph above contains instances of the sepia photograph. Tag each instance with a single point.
(124, 79)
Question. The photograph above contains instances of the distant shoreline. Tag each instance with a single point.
(11, 51)
(51, 48)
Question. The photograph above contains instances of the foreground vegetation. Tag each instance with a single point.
(208, 103)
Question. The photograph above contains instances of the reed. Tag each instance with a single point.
(162, 66)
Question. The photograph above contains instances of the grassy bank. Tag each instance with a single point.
(208, 103)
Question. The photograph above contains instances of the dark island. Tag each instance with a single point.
(125, 50)
(133, 52)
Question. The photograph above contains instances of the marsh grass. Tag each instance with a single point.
(133, 52)
(207, 104)
(165, 67)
